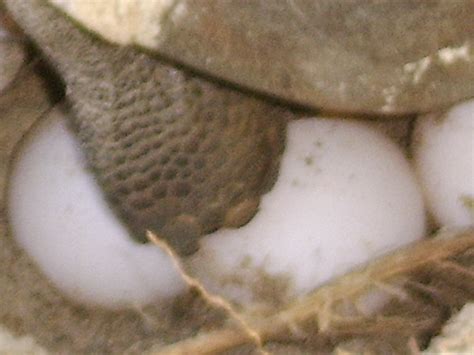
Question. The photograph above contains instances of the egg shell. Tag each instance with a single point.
(58, 215)
(444, 155)
(345, 195)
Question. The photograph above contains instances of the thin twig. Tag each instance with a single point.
(212, 299)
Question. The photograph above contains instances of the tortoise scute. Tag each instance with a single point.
(172, 153)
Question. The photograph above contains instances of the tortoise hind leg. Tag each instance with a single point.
(173, 153)
(193, 166)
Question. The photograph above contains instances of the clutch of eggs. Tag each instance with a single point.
(345, 195)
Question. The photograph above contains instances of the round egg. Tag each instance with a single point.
(345, 194)
(444, 155)
(57, 214)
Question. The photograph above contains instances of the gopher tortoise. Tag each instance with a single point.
(181, 106)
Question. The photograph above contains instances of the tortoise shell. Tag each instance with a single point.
(369, 56)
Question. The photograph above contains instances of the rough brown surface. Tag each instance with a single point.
(11, 59)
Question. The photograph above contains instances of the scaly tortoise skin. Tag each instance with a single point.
(173, 153)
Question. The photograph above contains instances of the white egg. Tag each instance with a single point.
(57, 214)
(345, 195)
(444, 155)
